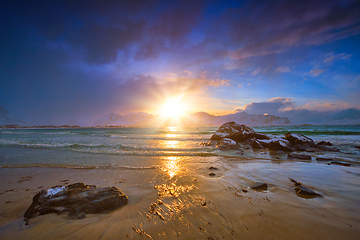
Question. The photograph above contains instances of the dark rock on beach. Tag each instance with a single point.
(299, 156)
(323, 159)
(324, 143)
(233, 131)
(232, 135)
(259, 186)
(227, 143)
(328, 148)
(76, 200)
(303, 191)
(306, 192)
(256, 144)
(299, 139)
(282, 145)
(340, 163)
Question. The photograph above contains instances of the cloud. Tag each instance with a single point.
(330, 57)
(273, 106)
(316, 72)
(311, 113)
(282, 69)
(278, 26)
(254, 73)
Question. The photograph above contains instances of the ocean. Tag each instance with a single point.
(120, 147)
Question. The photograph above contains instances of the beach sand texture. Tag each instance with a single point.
(182, 201)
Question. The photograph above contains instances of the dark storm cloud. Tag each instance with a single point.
(279, 25)
(273, 106)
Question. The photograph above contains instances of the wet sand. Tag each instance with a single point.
(180, 200)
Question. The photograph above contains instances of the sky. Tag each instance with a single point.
(74, 61)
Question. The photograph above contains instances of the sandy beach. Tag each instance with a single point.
(180, 200)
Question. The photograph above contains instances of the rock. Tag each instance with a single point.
(282, 145)
(76, 200)
(213, 168)
(260, 136)
(300, 139)
(301, 147)
(328, 148)
(234, 131)
(340, 163)
(311, 149)
(324, 143)
(276, 143)
(299, 156)
(259, 186)
(212, 174)
(322, 159)
(227, 143)
(306, 192)
(280, 152)
(303, 191)
(256, 144)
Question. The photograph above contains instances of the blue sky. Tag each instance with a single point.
(75, 61)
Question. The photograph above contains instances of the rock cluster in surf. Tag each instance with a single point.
(230, 134)
(76, 200)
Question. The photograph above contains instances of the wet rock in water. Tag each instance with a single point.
(259, 186)
(213, 168)
(282, 145)
(298, 156)
(311, 149)
(280, 152)
(256, 144)
(340, 163)
(303, 191)
(301, 147)
(207, 144)
(328, 148)
(227, 143)
(212, 174)
(76, 200)
(324, 143)
(260, 135)
(323, 159)
(306, 192)
(234, 131)
(299, 139)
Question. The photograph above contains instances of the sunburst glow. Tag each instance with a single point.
(173, 108)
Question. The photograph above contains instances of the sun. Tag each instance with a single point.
(173, 108)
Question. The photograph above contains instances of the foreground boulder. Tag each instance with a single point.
(234, 131)
(76, 200)
(231, 135)
(227, 143)
(299, 139)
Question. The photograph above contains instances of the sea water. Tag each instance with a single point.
(119, 147)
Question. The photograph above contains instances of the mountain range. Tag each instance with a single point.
(142, 119)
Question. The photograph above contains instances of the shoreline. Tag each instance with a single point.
(202, 207)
